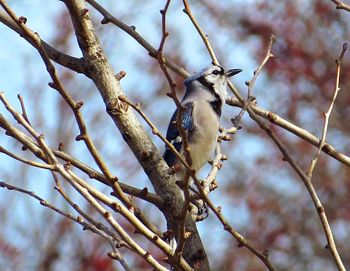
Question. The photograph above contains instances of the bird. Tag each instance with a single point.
(205, 94)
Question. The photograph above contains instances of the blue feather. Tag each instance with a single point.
(173, 134)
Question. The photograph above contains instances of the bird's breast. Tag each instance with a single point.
(206, 126)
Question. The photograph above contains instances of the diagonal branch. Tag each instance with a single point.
(204, 37)
(95, 228)
(251, 83)
(70, 62)
(26, 161)
(181, 236)
(341, 5)
(296, 130)
(92, 173)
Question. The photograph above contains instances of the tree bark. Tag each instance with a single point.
(99, 70)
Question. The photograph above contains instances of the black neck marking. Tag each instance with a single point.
(216, 105)
(209, 86)
(206, 84)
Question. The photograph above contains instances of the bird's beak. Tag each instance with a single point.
(232, 72)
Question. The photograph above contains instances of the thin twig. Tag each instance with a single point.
(204, 37)
(155, 130)
(184, 137)
(262, 64)
(296, 130)
(24, 111)
(92, 173)
(172, 85)
(306, 180)
(71, 178)
(327, 114)
(68, 61)
(74, 181)
(233, 232)
(251, 83)
(26, 161)
(321, 211)
(110, 235)
(77, 219)
(76, 207)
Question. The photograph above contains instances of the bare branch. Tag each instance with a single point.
(307, 178)
(262, 64)
(184, 137)
(76, 183)
(251, 83)
(26, 161)
(73, 63)
(92, 173)
(321, 211)
(233, 232)
(341, 5)
(296, 130)
(89, 193)
(172, 85)
(98, 225)
(204, 37)
(24, 111)
(86, 226)
(155, 130)
(131, 30)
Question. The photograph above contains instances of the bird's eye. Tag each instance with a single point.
(216, 72)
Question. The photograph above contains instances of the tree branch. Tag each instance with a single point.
(86, 226)
(73, 63)
(321, 211)
(92, 173)
(341, 5)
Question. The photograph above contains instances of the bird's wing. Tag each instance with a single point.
(173, 134)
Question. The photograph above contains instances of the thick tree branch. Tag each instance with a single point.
(100, 71)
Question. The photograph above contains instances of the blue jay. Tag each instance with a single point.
(203, 100)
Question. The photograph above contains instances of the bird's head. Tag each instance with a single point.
(213, 78)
